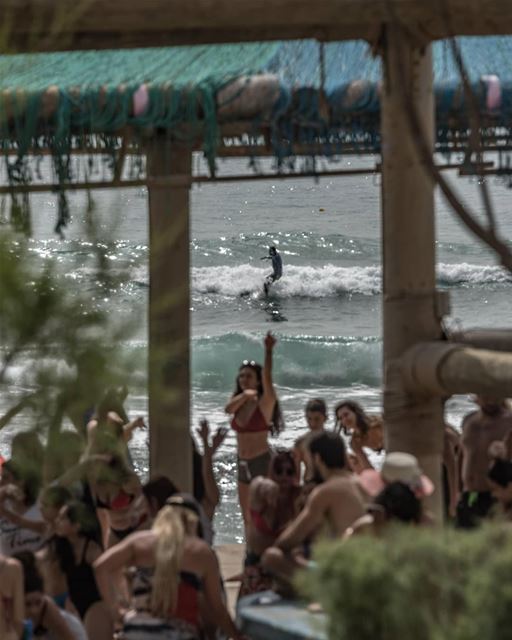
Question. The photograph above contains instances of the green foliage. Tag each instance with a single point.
(416, 583)
(60, 348)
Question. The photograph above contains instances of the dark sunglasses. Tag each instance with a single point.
(284, 471)
(248, 363)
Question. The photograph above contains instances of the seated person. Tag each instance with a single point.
(48, 621)
(333, 505)
(499, 476)
(273, 504)
(395, 503)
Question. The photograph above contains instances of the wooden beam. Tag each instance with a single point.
(492, 339)
(47, 25)
(443, 369)
(169, 315)
(177, 180)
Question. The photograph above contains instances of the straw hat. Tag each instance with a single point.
(398, 467)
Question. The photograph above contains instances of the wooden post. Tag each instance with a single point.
(169, 322)
(413, 424)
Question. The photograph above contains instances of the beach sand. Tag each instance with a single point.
(231, 557)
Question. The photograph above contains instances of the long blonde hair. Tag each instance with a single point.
(171, 526)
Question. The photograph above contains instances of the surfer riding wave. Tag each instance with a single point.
(277, 266)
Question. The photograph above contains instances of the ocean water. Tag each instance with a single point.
(325, 312)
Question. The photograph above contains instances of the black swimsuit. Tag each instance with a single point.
(82, 587)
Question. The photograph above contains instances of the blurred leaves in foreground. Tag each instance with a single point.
(60, 349)
(423, 584)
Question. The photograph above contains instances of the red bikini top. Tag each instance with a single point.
(255, 423)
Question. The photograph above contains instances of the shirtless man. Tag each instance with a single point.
(492, 421)
(336, 503)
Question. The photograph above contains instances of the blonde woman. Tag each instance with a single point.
(173, 568)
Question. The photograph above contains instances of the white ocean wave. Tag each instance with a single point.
(322, 282)
(312, 282)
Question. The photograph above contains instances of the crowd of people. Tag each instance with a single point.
(89, 551)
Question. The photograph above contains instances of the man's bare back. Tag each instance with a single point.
(342, 502)
(479, 430)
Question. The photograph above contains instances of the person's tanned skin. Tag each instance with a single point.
(493, 421)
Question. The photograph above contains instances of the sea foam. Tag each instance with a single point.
(329, 280)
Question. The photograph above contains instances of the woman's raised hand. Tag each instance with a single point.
(269, 341)
(218, 438)
(204, 432)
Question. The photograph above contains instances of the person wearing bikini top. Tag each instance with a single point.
(255, 410)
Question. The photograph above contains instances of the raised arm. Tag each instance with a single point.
(130, 427)
(210, 484)
(39, 526)
(268, 385)
(80, 470)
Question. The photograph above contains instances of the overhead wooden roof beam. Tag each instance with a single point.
(45, 25)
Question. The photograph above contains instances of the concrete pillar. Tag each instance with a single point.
(413, 423)
(169, 173)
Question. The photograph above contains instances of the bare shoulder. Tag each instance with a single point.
(200, 555)
(11, 573)
(197, 545)
(470, 419)
(92, 425)
(13, 566)
(333, 487)
(141, 541)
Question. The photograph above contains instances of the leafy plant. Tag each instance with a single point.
(60, 346)
(424, 584)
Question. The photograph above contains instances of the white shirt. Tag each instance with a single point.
(14, 538)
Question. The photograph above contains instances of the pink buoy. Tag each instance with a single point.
(493, 99)
(140, 100)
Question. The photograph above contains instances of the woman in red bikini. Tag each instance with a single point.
(255, 410)
(273, 502)
(118, 491)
